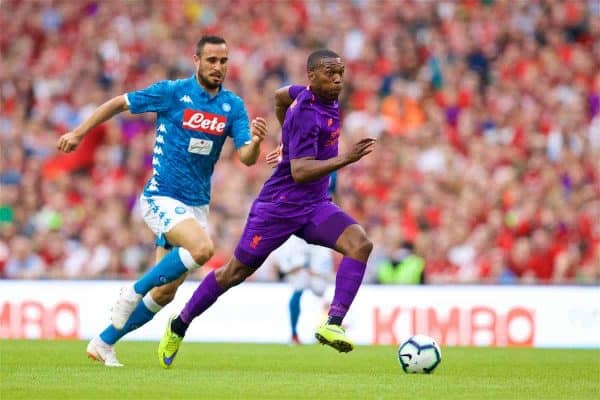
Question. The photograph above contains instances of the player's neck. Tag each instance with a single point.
(322, 99)
(211, 92)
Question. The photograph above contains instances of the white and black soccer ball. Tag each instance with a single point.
(420, 354)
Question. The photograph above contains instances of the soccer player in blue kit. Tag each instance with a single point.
(295, 200)
(194, 117)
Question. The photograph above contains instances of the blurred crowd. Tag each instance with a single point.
(487, 114)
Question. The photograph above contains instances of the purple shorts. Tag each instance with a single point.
(271, 224)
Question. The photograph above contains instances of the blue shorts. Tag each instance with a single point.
(270, 224)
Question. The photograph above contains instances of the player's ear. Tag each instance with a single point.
(311, 75)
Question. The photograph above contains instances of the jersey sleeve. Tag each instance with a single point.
(154, 98)
(304, 134)
(240, 125)
(295, 90)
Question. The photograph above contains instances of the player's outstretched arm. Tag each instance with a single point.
(70, 140)
(249, 153)
(308, 169)
(283, 100)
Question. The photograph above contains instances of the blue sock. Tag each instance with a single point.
(167, 270)
(295, 310)
(139, 317)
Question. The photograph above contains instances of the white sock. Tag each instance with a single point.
(151, 304)
(187, 259)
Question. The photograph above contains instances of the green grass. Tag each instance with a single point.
(60, 370)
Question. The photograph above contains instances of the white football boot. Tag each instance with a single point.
(99, 351)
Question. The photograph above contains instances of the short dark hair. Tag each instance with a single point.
(316, 56)
(208, 39)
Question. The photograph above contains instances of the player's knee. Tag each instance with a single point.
(202, 252)
(365, 247)
(362, 249)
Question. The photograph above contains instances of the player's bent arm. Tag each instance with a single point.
(103, 113)
(282, 102)
(308, 169)
(70, 140)
(251, 150)
(249, 153)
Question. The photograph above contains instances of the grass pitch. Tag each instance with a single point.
(60, 370)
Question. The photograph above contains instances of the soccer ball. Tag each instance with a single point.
(419, 355)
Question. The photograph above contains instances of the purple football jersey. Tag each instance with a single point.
(311, 129)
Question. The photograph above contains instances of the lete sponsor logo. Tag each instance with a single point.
(202, 121)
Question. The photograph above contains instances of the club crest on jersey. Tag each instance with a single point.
(202, 121)
(255, 241)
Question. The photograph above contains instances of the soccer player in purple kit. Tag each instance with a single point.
(295, 200)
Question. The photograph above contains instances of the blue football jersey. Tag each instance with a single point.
(191, 129)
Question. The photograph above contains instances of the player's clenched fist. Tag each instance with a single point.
(68, 142)
(258, 129)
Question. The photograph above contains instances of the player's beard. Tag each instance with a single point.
(334, 93)
(206, 82)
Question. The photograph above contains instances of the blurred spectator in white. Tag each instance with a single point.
(23, 263)
(88, 258)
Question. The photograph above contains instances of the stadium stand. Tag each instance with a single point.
(489, 133)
